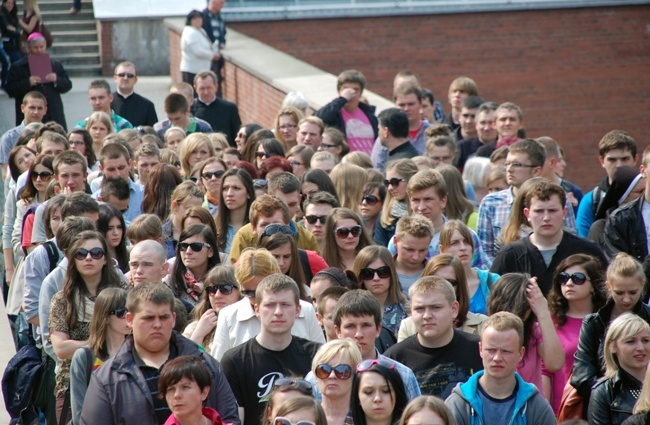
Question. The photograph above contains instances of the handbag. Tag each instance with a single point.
(49, 39)
(572, 405)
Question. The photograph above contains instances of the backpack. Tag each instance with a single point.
(18, 382)
(52, 254)
(597, 198)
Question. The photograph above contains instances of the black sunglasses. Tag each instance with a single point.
(300, 384)
(95, 254)
(312, 219)
(261, 155)
(342, 371)
(248, 293)
(224, 289)
(272, 229)
(120, 313)
(44, 175)
(125, 74)
(367, 273)
(370, 199)
(393, 182)
(577, 278)
(194, 246)
(209, 174)
(343, 232)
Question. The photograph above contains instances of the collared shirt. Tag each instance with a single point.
(8, 142)
(119, 123)
(136, 195)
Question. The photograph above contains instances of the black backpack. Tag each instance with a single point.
(18, 383)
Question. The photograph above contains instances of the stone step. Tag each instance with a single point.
(77, 36)
(57, 26)
(83, 70)
(64, 15)
(77, 58)
(61, 47)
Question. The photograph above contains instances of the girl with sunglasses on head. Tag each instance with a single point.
(333, 366)
(378, 394)
(578, 290)
(196, 255)
(185, 196)
(221, 289)
(90, 270)
(371, 204)
(235, 199)
(108, 329)
(344, 237)
(300, 411)
(111, 224)
(210, 173)
(284, 389)
(375, 267)
(625, 282)
(398, 173)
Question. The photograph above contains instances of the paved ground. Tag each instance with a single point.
(76, 108)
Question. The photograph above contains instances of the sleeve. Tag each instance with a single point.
(197, 46)
(78, 383)
(381, 235)
(600, 406)
(35, 273)
(236, 247)
(543, 414)
(38, 233)
(47, 293)
(9, 218)
(5, 148)
(227, 405)
(614, 236)
(221, 340)
(586, 362)
(585, 215)
(63, 83)
(17, 82)
(484, 229)
(26, 237)
(316, 262)
(459, 409)
(501, 262)
(58, 310)
(152, 117)
(229, 369)
(97, 408)
(329, 113)
(16, 232)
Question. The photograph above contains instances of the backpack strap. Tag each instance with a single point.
(90, 361)
(306, 267)
(52, 254)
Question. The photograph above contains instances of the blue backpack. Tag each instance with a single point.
(18, 383)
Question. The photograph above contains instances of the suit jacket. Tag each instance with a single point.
(222, 115)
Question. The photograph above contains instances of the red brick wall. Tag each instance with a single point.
(175, 56)
(577, 73)
(105, 34)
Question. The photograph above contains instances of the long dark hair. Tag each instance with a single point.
(178, 278)
(74, 287)
(108, 300)
(13, 167)
(89, 153)
(393, 380)
(30, 192)
(509, 294)
(106, 213)
(161, 182)
(223, 213)
(295, 271)
(558, 305)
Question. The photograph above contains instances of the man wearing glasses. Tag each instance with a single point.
(137, 109)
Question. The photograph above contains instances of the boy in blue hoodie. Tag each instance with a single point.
(498, 395)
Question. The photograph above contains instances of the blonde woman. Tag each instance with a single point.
(99, 126)
(349, 181)
(286, 126)
(195, 148)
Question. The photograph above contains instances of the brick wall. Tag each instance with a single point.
(175, 56)
(577, 73)
(105, 34)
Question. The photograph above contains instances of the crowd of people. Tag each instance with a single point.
(334, 266)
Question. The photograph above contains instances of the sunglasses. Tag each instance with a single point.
(343, 232)
(224, 289)
(259, 183)
(341, 371)
(209, 174)
(260, 155)
(327, 146)
(370, 199)
(367, 273)
(284, 421)
(95, 254)
(577, 278)
(194, 246)
(44, 175)
(120, 313)
(248, 293)
(272, 229)
(393, 182)
(300, 384)
(312, 219)
(367, 364)
(453, 282)
(125, 74)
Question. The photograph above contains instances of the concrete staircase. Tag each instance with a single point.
(76, 44)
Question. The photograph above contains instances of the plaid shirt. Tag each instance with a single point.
(119, 123)
(493, 215)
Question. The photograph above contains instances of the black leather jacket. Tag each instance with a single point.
(612, 400)
(625, 231)
(588, 366)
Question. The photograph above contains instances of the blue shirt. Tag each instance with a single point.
(136, 195)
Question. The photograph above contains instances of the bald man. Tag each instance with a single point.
(148, 262)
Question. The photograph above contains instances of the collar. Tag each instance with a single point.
(125, 96)
(207, 103)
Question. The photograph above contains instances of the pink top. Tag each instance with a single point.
(359, 132)
(208, 412)
(530, 368)
(569, 335)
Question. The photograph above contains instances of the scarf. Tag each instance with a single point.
(193, 286)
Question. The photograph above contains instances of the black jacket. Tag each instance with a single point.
(332, 117)
(638, 419)
(136, 109)
(625, 231)
(587, 367)
(222, 115)
(612, 401)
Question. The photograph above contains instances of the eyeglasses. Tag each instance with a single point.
(327, 146)
(120, 313)
(341, 371)
(370, 199)
(248, 293)
(77, 142)
(95, 254)
(518, 165)
(125, 74)
(312, 219)
(295, 163)
(224, 289)
(367, 364)
(194, 246)
(343, 232)
(300, 384)
(453, 282)
(393, 182)
(284, 421)
(260, 155)
(272, 229)
(577, 278)
(43, 175)
(367, 273)
(287, 127)
(260, 183)
(210, 174)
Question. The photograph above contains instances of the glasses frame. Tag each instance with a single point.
(224, 289)
(193, 245)
(578, 278)
(341, 371)
(383, 272)
(95, 253)
(119, 312)
(344, 232)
